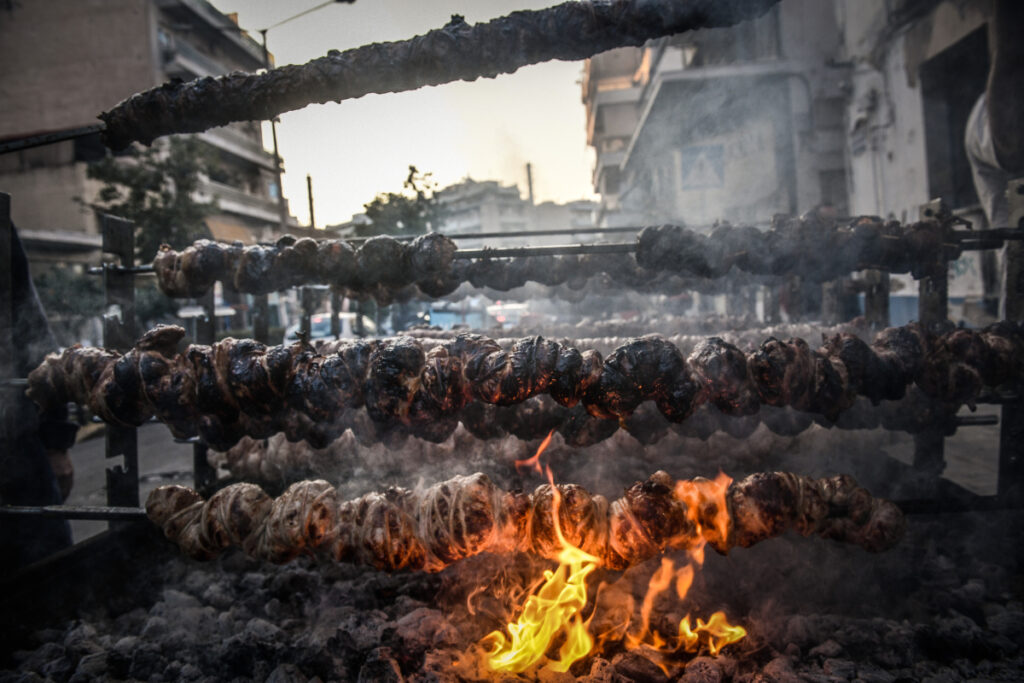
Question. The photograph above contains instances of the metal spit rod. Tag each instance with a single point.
(40, 139)
(970, 242)
(109, 513)
(130, 514)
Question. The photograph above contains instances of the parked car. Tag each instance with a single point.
(320, 327)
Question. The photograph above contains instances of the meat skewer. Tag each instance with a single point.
(236, 388)
(570, 31)
(386, 268)
(468, 515)
(277, 460)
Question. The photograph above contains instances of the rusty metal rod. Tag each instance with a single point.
(976, 420)
(40, 139)
(555, 250)
(74, 512)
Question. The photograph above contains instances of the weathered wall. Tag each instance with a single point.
(62, 62)
(44, 198)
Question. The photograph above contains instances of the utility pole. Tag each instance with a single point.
(282, 207)
(309, 193)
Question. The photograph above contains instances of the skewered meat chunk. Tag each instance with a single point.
(468, 515)
(239, 387)
(457, 51)
(722, 369)
(668, 258)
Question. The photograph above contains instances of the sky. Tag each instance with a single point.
(488, 129)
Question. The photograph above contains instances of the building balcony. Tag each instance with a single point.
(663, 81)
(606, 160)
(238, 144)
(234, 201)
(247, 51)
(184, 61)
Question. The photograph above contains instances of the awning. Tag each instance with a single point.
(226, 229)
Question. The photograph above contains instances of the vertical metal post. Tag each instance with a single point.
(206, 324)
(7, 364)
(206, 332)
(932, 310)
(335, 310)
(306, 304)
(282, 208)
(309, 194)
(1011, 426)
(830, 301)
(119, 333)
(358, 327)
(876, 298)
(261, 317)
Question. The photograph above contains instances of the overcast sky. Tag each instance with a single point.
(487, 129)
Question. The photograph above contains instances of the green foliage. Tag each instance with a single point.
(154, 188)
(413, 211)
(69, 299)
(152, 306)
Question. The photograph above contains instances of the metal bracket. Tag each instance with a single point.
(7, 364)
(932, 311)
(1011, 430)
(206, 332)
(119, 333)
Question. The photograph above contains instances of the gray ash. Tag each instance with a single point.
(944, 605)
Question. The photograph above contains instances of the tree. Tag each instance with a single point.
(413, 211)
(70, 300)
(155, 188)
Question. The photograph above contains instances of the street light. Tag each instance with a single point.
(282, 208)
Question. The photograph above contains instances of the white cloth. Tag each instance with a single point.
(990, 181)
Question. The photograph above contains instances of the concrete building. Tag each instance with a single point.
(729, 124)
(62, 62)
(473, 207)
(917, 68)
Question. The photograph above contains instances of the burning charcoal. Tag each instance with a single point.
(780, 670)
(425, 628)
(636, 667)
(91, 668)
(58, 669)
(840, 668)
(380, 667)
(829, 648)
(702, 670)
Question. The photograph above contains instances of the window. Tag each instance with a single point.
(951, 83)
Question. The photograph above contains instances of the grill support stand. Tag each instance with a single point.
(6, 314)
(876, 299)
(1011, 430)
(932, 310)
(206, 331)
(261, 317)
(119, 333)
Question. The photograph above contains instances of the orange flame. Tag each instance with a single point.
(554, 609)
(534, 462)
(707, 511)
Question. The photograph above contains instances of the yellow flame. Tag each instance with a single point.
(554, 609)
(717, 632)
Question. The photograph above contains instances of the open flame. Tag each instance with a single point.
(554, 610)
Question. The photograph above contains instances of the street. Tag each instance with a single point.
(161, 461)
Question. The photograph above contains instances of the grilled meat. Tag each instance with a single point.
(467, 515)
(667, 258)
(241, 387)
